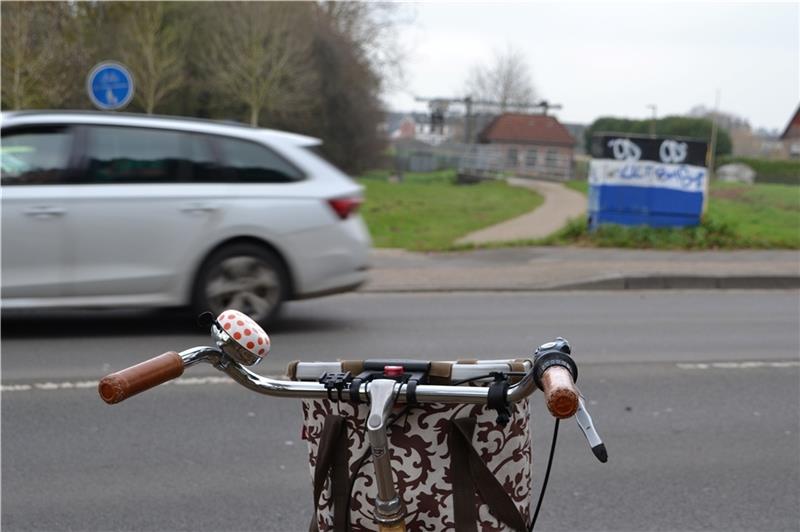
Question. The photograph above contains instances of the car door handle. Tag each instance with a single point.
(199, 208)
(45, 212)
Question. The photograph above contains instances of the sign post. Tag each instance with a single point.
(110, 86)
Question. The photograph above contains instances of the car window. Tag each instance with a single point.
(35, 156)
(320, 159)
(202, 158)
(249, 162)
(134, 155)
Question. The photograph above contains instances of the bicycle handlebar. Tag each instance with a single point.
(240, 342)
(136, 379)
(560, 393)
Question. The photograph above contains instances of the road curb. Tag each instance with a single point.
(650, 282)
(689, 282)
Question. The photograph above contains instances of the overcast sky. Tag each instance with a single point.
(604, 58)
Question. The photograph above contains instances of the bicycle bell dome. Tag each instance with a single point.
(240, 337)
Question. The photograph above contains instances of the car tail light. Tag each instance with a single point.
(344, 207)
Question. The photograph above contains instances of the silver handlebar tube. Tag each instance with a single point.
(522, 389)
(425, 393)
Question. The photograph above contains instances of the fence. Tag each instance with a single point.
(487, 160)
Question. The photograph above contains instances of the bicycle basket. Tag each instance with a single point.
(424, 460)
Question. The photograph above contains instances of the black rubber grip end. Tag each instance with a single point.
(600, 452)
(542, 362)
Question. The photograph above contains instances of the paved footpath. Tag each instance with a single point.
(560, 268)
(560, 205)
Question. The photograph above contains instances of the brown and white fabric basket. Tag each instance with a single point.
(455, 467)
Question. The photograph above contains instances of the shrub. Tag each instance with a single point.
(710, 234)
(768, 170)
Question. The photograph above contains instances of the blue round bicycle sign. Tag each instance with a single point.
(110, 86)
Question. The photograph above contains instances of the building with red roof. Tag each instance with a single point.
(791, 136)
(532, 145)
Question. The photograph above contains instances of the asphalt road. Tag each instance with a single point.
(695, 393)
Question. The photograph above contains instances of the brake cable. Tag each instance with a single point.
(546, 475)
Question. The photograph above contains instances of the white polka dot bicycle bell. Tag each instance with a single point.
(241, 338)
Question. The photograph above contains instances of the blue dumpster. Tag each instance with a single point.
(659, 182)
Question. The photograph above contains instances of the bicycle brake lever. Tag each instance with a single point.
(587, 427)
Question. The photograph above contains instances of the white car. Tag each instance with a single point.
(112, 210)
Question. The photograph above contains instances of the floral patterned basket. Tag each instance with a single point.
(420, 443)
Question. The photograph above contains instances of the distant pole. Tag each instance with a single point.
(712, 147)
(712, 151)
(653, 108)
(468, 120)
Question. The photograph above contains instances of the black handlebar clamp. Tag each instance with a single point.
(414, 372)
(497, 397)
(556, 353)
(336, 381)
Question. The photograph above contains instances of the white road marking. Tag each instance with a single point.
(77, 385)
(15, 387)
(203, 380)
(741, 365)
(192, 381)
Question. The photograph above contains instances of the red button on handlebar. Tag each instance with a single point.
(393, 371)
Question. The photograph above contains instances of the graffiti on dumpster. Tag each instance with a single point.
(647, 180)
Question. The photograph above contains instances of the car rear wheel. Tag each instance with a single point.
(244, 277)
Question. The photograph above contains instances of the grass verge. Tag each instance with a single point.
(428, 211)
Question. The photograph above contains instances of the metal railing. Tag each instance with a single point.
(487, 160)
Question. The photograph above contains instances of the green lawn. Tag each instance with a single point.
(580, 185)
(766, 214)
(428, 211)
(738, 216)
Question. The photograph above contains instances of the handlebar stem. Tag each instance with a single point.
(389, 509)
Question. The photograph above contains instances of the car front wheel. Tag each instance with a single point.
(242, 277)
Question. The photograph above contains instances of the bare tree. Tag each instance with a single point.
(32, 73)
(507, 80)
(345, 109)
(257, 58)
(372, 28)
(153, 51)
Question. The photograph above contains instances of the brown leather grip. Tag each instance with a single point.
(130, 381)
(560, 392)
